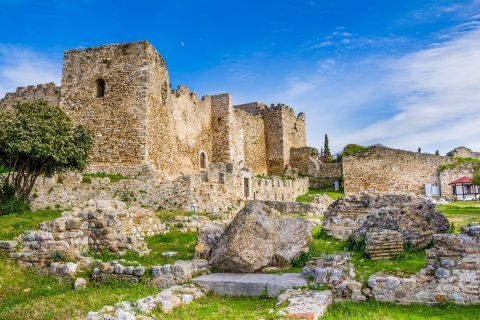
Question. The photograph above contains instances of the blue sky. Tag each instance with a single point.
(402, 73)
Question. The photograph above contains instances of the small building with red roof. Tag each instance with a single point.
(464, 189)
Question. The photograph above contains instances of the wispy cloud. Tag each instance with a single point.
(438, 98)
(20, 67)
(343, 40)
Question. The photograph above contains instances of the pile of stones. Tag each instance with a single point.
(101, 224)
(304, 304)
(336, 272)
(165, 301)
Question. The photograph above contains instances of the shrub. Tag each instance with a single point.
(58, 256)
(9, 204)
(352, 149)
(38, 139)
(302, 259)
(352, 244)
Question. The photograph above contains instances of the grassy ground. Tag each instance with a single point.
(461, 213)
(26, 295)
(322, 244)
(308, 197)
(183, 243)
(216, 308)
(12, 225)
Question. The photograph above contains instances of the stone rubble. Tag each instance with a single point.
(143, 308)
(304, 304)
(335, 271)
(100, 225)
(207, 238)
(452, 273)
(416, 218)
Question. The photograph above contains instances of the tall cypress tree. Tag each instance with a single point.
(327, 155)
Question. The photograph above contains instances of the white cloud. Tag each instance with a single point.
(21, 67)
(437, 93)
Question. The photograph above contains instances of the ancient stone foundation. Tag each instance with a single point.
(452, 273)
(386, 244)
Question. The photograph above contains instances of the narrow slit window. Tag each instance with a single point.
(100, 88)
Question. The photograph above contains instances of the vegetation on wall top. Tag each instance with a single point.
(458, 162)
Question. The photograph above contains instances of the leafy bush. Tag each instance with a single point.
(352, 244)
(352, 149)
(58, 256)
(38, 139)
(458, 162)
(9, 204)
(301, 260)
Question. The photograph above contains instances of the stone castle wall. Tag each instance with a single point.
(46, 91)
(254, 141)
(119, 118)
(138, 120)
(389, 170)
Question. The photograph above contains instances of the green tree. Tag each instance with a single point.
(352, 149)
(327, 155)
(39, 139)
(437, 153)
(476, 177)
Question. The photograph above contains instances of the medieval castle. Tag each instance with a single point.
(122, 92)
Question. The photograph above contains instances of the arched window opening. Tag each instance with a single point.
(100, 88)
(203, 160)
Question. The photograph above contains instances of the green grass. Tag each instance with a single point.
(26, 295)
(308, 197)
(461, 213)
(114, 177)
(181, 242)
(386, 311)
(12, 225)
(243, 308)
(458, 162)
(323, 244)
(214, 307)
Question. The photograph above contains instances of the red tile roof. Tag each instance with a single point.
(462, 180)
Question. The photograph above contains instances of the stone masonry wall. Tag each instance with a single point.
(389, 170)
(47, 91)
(119, 118)
(254, 141)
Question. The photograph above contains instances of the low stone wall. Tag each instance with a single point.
(165, 301)
(452, 273)
(99, 225)
(218, 190)
(276, 189)
(310, 208)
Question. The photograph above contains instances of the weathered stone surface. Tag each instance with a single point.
(257, 238)
(207, 237)
(416, 218)
(452, 273)
(250, 284)
(304, 304)
(80, 283)
(99, 225)
(385, 244)
(142, 308)
(8, 245)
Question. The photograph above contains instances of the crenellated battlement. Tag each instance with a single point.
(48, 91)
